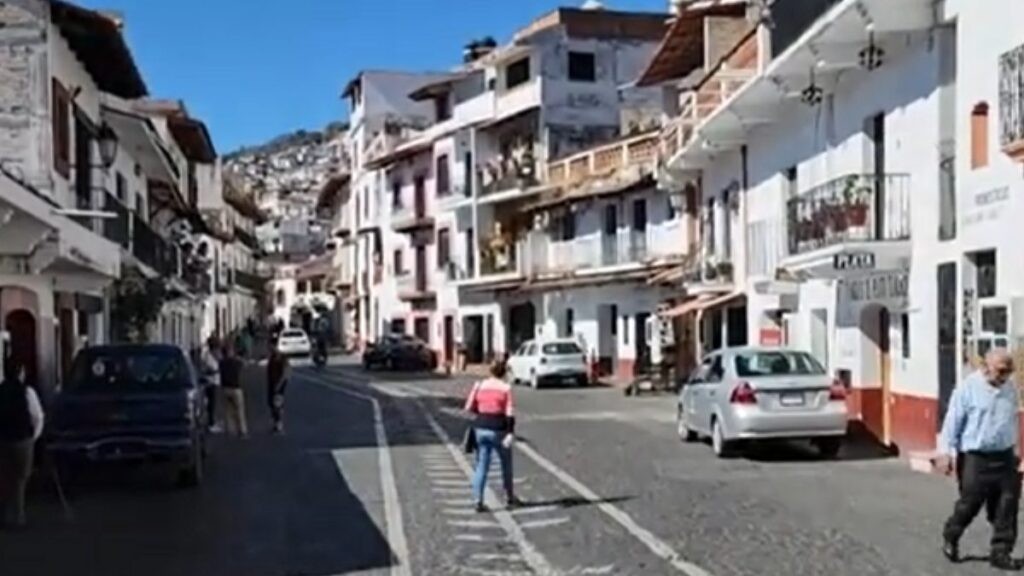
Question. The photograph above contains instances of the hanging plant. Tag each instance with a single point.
(136, 304)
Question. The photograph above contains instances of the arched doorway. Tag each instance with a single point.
(21, 325)
(876, 371)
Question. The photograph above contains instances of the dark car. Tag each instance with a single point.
(131, 403)
(399, 352)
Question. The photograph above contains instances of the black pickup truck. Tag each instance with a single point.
(131, 403)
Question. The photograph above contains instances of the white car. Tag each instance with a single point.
(294, 342)
(540, 362)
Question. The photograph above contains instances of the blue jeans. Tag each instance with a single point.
(488, 442)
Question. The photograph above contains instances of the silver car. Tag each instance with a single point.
(738, 395)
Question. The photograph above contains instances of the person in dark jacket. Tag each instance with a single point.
(277, 381)
(21, 424)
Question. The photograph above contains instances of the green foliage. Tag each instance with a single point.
(136, 304)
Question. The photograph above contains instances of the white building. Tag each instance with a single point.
(847, 162)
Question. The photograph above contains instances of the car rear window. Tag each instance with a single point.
(294, 334)
(561, 348)
(156, 370)
(777, 363)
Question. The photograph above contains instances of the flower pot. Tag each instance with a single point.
(857, 215)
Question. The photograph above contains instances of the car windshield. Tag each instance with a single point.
(119, 370)
(561, 348)
(777, 363)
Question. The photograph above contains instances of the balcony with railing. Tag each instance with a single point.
(247, 238)
(697, 105)
(413, 286)
(865, 216)
(153, 250)
(513, 170)
(118, 228)
(409, 218)
(609, 252)
(623, 159)
(251, 280)
(1011, 103)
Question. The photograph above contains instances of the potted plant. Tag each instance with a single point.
(855, 199)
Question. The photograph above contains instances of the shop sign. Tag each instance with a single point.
(986, 206)
(771, 336)
(854, 261)
(886, 287)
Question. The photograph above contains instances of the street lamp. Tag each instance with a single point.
(107, 141)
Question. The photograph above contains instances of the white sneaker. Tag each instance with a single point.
(216, 429)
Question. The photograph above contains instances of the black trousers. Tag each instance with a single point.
(987, 480)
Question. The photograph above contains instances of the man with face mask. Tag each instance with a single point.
(981, 429)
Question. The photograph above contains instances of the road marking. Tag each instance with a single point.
(533, 558)
(439, 490)
(460, 511)
(389, 488)
(472, 537)
(485, 572)
(487, 557)
(656, 545)
(544, 523)
(451, 482)
(534, 510)
(474, 524)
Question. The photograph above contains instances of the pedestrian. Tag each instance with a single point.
(494, 428)
(21, 424)
(981, 428)
(210, 362)
(277, 380)
(231, 367)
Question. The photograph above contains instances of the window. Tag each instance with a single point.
(716, 371)
(279, 297)
(582, 67)
(443, 247)
(614, 313)
(568, 322)
(396, 195)
(777, 363)
(517, 73)
(443, 180)
(568, 226)
(442, 109)
(985, 263)
(625, 329)
(121, 187)
(561, 348)
(302, 287)
(61, 120)
(979, 135)
(399, 265)
(905, 334)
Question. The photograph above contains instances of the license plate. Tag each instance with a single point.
(791, 399)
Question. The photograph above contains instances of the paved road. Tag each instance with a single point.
(608, 486)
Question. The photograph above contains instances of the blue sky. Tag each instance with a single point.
(253, 69)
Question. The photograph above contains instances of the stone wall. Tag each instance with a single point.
(24, 78)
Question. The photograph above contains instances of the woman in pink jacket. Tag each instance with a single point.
(494, 428)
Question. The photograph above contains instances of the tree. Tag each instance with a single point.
(136, 305)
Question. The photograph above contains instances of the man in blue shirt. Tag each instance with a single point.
(981, 430)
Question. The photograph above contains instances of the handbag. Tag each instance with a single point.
(469, 440)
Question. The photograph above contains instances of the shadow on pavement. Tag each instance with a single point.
(573, 502)
(854, 449)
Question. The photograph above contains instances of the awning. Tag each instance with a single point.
(193, 137)
(139, 138)
(702, 302)
(96, 39)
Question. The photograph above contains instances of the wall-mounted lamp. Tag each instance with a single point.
(107, 141)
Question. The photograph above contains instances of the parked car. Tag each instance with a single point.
(131, 403)
(541, 362)
(294, 342)
(740, 395)
(399, 352)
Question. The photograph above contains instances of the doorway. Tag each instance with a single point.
(607, 338)
(640, 344)
(947, 336)
(449, 339)
(421, 327)
(473, 338)
(638, 241)
(521, 321)
(609, 246)
(21, 326)
(876, 372)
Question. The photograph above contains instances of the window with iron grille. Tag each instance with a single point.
(1011, 96)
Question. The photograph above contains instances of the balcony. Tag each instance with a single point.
(153, 250)
(627, 159)
(515, 171)
(1011, 103)
(605, 253)
(854, 222)
(414, 287)
(247, 238)
(117, 229)
(405, 219)
(697, 105)
(251, 281)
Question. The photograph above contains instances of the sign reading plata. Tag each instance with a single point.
(854, 261)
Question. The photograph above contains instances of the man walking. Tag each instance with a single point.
(981, 428)
(234, 398)
(277, 381)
